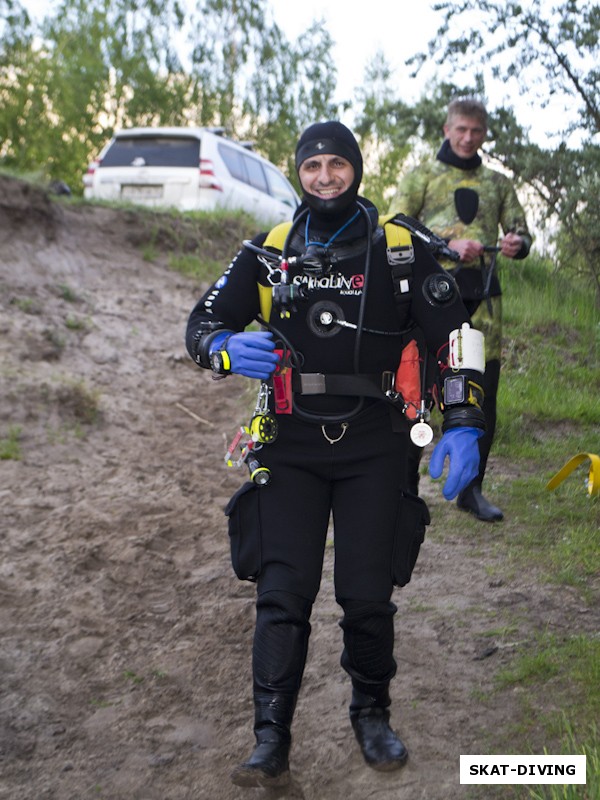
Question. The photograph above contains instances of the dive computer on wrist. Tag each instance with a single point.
(220, 363)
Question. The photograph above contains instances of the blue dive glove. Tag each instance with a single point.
(460, 445)
(251, 354)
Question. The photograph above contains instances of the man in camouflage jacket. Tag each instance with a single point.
(466, 203)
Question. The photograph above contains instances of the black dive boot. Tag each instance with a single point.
(268, 766)
(369, 714)
(471, 499)
(278, 658)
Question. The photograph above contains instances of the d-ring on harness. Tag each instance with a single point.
(344, 426)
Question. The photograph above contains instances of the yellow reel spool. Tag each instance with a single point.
(263, 428)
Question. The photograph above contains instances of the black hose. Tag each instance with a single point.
(307, 415)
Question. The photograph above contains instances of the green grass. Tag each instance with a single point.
(27, 305)
(549, 660)
(79, 403)
(573, 745)
(549, 396)
(557, 530)
(550, 351)
(566, 669)
(76, 323)
(548, 411)
(195, 267)
(67, 293)
(534, 292)
(10, 448)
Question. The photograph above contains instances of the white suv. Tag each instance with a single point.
(192, 169)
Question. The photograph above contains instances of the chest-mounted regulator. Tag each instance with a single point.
(315, 259)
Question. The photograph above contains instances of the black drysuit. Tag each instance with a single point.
(352, 467)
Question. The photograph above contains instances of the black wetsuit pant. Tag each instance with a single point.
(357, 480)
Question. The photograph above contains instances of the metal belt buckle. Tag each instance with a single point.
(312, 383)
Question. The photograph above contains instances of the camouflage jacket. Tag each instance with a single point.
(427, 193)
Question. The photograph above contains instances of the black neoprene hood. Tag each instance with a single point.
(331, 138)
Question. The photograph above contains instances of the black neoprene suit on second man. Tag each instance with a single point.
(340, 454)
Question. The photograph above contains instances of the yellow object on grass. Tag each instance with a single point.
(593, 484)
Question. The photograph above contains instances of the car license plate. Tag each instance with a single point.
(139, 192)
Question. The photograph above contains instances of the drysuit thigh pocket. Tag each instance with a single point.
(413, 517)
(243, 511)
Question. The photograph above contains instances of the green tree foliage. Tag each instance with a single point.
(547, 52)
(287, 94)
(566, 182)
(384, 127)
(256, 83)
(94, 66)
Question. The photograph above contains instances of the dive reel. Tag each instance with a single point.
(249, 439)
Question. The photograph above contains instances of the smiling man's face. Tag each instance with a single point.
(465, 134)
(326, 176)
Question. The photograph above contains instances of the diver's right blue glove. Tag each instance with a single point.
(251, 354)
(460, 445)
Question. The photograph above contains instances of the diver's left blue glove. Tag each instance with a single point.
(460, 445)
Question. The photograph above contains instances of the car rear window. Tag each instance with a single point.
(153, 151)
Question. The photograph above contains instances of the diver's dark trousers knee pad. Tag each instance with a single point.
(368, 655)
(280, 642)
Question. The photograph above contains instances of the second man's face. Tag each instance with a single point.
(466, 135)
(326, 176)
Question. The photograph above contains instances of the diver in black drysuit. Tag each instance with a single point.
(339, 454)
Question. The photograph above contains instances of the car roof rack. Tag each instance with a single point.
(247, 145)
(217, 131)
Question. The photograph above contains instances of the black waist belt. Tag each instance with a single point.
(357, 385)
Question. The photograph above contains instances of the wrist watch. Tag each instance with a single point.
(220, 362)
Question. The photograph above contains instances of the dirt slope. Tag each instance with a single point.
(125, 655)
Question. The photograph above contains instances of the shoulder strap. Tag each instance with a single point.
(275, 239)
(277, 236)
(400, 256)
(396, 234)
